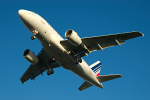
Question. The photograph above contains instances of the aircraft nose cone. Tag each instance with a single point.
(27, 18)
(24, 15)
(20, 12)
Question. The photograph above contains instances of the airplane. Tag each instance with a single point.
(68, 53)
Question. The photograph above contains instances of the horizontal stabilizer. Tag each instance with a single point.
(103, 78)
(85, 85)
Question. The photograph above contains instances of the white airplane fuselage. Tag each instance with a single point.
(50, 41)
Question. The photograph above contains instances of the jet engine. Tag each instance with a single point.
(30, 56)
(73, 38)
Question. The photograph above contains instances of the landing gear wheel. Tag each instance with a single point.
(32, 37)
(50, 71)
(80, 60)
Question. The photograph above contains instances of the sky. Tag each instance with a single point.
(88, 18)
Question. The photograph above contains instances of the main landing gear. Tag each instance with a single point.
(78, 59)
(76, 56)
(50, 71)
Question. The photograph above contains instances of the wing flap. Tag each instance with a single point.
(96, 47)
(103, 78)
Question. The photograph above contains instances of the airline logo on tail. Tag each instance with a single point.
(96, 67)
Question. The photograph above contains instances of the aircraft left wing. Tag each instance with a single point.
(34, 70)
(100, 42)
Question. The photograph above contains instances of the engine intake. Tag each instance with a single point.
(73, 38)
(30, 56)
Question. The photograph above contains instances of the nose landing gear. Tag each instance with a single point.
(33, 37)
(35, 32)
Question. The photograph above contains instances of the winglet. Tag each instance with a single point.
(140, 33)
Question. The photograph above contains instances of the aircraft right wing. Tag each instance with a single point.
(101, 42)
(34, 70)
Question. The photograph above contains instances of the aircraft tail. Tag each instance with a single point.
(96, 67)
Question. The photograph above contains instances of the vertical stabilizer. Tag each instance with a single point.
(96, 67)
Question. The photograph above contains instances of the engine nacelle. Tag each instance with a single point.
(30, 56)
(73, 38)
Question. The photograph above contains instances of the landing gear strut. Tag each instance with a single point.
(35, 32)
(78, 59)
(50, 71)
(76, 56)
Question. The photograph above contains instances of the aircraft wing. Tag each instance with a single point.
(101, 42)
(34, 70)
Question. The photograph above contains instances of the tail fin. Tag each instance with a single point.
(96, 67)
